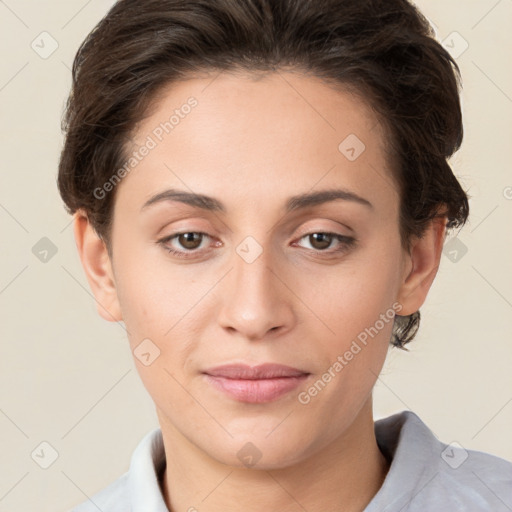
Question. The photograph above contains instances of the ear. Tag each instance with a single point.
(97, 266)
(421, 265)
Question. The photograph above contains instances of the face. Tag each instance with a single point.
(266, 269)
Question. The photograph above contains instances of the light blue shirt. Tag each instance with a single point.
(425, 475)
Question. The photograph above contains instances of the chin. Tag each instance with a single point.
(258, 451)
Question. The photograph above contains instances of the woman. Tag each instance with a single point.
(261, 194)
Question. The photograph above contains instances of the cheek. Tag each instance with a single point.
(159, 319)
(356, 303)
(152, 293)
(350, 297)
(168, 305)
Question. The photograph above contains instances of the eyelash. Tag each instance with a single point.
(346, 243)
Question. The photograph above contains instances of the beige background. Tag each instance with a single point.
(67, 376)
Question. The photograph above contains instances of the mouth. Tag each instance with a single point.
(255, 384)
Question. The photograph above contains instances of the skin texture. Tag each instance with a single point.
(252, 142)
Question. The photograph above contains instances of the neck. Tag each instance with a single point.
(345, 475)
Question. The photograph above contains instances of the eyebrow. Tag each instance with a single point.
(293, 203)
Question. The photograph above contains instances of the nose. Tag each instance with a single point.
(256, 300)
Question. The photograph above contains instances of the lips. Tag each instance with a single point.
(263, 371)
(255, 384)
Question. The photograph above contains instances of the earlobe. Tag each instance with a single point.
(98, 267)
(422, 265)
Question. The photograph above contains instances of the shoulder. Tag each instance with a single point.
(471, 477)
(138, 488)
(113, 498)
(427, 474)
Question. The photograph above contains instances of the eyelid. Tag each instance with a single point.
(345, 242)
(176, 234)
(319, 229)
(165, 241)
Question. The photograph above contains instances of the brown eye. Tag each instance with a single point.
(190, 240)
(328, 243)
(184, 245)
(320, 241)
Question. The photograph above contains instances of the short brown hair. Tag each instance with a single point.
(383, 50)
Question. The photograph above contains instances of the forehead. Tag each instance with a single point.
(229, 133)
